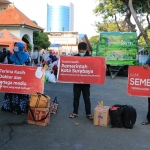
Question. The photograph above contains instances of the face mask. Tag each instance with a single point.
(82, 54)
(16, 49)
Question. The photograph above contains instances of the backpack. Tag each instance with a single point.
(129, 116)
(122, 116)
(36, 61)
(2, 57)
(116, 116)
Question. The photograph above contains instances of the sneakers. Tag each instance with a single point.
(145, 122)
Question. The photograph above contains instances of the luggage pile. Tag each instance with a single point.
(119, 116)
(122, 116)
(39, 109)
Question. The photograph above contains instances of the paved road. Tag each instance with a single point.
(64, 133)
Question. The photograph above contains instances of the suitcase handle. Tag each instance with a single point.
(38, 99)
(41, 94)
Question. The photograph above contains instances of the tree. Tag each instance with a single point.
(40, 40)
(94, 39)
(127, 8)
(143, 33)
(110, 25)
(29, 47)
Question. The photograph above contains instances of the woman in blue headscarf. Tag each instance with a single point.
(15, 102)
(20, 57)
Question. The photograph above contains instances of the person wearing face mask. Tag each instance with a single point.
(16, 49)
(16, 103)
(84, 88)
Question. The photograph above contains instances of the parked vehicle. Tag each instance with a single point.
(119, 49)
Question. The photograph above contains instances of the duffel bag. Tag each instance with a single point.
(39, 100)
(116, 116)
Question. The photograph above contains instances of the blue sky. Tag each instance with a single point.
(83, 13)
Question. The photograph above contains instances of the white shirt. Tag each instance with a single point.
(34, 56)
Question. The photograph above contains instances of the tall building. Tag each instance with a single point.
(60, 17)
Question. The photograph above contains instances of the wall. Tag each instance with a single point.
(68, 40)
(20, 32)
(24, 31)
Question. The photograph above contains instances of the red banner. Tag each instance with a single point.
(21, 79)
(138, 81)
(86, 70)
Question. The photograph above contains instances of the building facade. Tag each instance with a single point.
(60, 17)
(21, 26)
(66, 43)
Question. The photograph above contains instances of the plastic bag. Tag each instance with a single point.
(51, 78)
(47, 73)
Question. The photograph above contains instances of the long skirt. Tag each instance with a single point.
(15, 103)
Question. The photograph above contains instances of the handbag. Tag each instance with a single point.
(54, 106)
(39, 100)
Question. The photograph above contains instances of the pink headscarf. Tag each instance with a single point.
(53, 53)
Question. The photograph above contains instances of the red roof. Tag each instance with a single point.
(12, 16)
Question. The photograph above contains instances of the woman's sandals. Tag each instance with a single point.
(89, 117)
(73, 116)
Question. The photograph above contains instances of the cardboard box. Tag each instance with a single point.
(101, 115)
(39, 116)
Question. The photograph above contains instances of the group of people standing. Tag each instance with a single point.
(18, 103)
(15, 102)
(47, 57)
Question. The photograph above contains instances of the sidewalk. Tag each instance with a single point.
(79, 133)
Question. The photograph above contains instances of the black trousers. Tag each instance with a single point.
(148, 113)
(85, 89)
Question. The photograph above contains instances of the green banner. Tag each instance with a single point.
(119, 48)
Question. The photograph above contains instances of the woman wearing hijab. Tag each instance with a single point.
(15, 102)
(19, 57)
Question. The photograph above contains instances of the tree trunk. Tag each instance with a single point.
(148, 21)
(138, 23)
(139, 36)
(148, 3)
(117, 24)
(131, 27)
